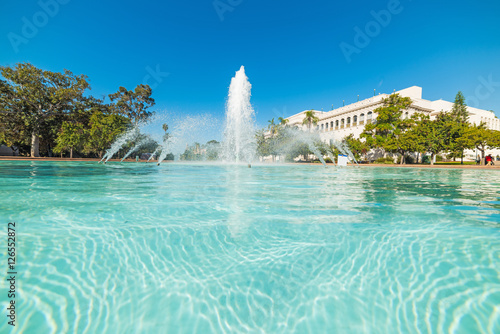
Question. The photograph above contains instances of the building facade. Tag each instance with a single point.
(351, 119)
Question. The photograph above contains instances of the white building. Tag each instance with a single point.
(351, 119)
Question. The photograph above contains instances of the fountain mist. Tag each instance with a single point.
(122, 140)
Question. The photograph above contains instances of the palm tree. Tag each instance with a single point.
(283, 121)
(272, 127)
(310, 119)
(165, 128)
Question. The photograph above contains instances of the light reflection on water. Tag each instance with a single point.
(125, 248)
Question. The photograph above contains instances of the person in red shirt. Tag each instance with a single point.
(489, 160)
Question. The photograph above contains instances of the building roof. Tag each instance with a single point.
(413, 92)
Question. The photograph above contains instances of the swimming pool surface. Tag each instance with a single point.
(193, 248)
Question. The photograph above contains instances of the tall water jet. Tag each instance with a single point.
(239, 134)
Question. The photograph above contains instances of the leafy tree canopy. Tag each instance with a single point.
(32, 95)
(134, 104)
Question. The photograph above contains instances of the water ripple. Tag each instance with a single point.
(182, 249)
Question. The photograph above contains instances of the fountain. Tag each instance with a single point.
(136, 147)
(239, 140)
(185, 130)
(309, 138)
(344, 149)
(239, 134)
(154, 153)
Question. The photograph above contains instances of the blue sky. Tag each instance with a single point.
(291, 49)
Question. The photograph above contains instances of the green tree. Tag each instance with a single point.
(358, 147)
(272, 127)
(413, 140)
(310, 119)
(482, 138)
(213, 148)
(283, 121)
(263, 145)
(166, 135)
(33, 96)
(388, 130)
(459, 110)
(432, 135)
(103, 131)
(458, 125)
(134, 104)
(14, 133)
(71, 137)
(273, 143)
(462, 141)
(299, 149)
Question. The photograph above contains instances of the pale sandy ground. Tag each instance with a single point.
(495, 167)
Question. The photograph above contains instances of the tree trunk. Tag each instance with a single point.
(35, 144)
(462, 158)
(71, 153)
(402, 159)
(432, 159)
(482, 156)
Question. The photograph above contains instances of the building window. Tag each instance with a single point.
(342, 122)
(355, 120)
(331, 124)
(322, 125)
(326, 126)
(369, 117)
(337, 124)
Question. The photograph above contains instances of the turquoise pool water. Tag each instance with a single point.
(135, 248)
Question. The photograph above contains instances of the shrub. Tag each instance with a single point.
(409, 159)
(387, 160)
